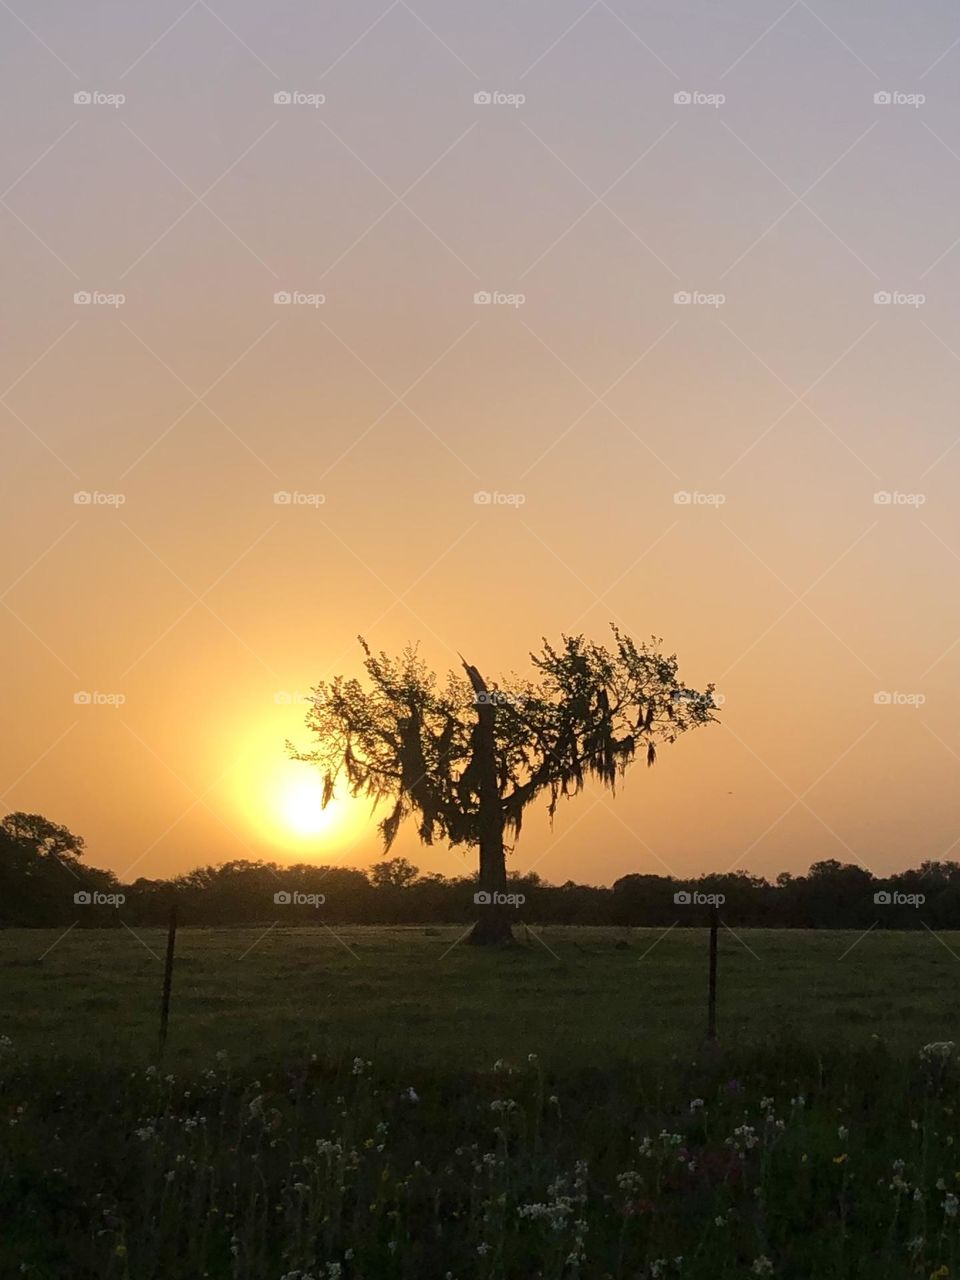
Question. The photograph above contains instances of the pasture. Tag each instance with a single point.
(415, 996)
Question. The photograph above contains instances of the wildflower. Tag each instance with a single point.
(744, 1139)
(503, 1104)
(696, 1104)
(410, 1095)
(359, 1065)
(950, 1205)
(762, 1266)
(841, 1159)
(843, 1132)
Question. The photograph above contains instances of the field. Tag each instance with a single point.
(412, 996)
(381, 1102)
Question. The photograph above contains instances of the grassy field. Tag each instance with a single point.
(411, 995)
(382, 1104)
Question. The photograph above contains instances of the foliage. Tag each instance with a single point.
(407, 740)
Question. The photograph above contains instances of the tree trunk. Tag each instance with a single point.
(493, 923)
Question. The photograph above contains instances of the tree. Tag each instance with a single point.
(43, 838)
(40, 870)
(394, 873)
(467, 759)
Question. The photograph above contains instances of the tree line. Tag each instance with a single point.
(45, 883)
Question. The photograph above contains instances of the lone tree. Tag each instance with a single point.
(467, 758)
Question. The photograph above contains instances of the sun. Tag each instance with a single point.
(299, 804)
(282, 800)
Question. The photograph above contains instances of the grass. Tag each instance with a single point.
(383, 1105)
(571, 995)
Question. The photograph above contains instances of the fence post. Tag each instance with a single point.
(712, 984)
(168, 978)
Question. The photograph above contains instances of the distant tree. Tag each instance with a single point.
(40, 870)
(467, 759)
(43, 838)
(394, 873)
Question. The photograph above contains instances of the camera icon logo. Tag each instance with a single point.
(82, 898)
(282, 299)
(682, 299)
(83, 498)
(283, 498)
(681, 898)
(483, 498)
(482, 299)
(282, 898)
(882, 298)
(82, 298)
(882, 698)
(482, 99)
(683, 98)
(82, 99)
(683, 498)
(882, 898)
(283, 98)
(82, 698)
(482, 898)
(883, 98)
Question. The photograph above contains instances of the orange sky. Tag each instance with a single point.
(183, 588)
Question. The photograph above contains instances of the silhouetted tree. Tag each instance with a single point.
(395, 873)
(468, 758)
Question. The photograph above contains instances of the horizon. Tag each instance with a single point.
(436, 365)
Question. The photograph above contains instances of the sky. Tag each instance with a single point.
(675, 285)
